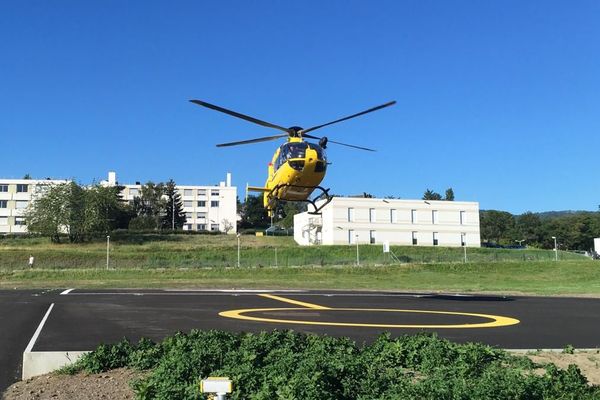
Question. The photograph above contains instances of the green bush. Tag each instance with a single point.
(291, 365)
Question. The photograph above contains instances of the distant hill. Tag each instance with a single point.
(555, 214)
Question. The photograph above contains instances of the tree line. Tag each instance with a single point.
(573, 230)
(81, 212)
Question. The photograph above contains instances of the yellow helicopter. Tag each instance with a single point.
(298, 166)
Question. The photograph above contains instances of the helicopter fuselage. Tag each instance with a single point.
(296, 169)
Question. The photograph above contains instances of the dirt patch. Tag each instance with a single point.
(587, 361)
(112, 385)
(115, 384)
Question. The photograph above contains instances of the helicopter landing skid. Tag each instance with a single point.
(323, 196)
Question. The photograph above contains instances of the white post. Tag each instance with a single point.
(238, 252)
(555, 249)
(173, 214)
(107, 251)
(357, 256)
(465, 251)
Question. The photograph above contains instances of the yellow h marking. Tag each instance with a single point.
(296, 302)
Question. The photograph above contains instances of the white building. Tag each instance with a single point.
(399, 222)
(212, 208)
(207, 208)
(15, 196)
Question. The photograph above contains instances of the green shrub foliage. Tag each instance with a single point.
(292, 365)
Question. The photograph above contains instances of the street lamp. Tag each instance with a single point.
(555, 249)
(107, 251)
(357, 256)
(173, 215)
(238, 243)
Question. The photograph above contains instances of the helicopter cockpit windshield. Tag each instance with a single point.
(295, 150)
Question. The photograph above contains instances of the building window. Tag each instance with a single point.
(393, 216)
(3, 188)
(20, 221)
(214, 192)
(188, 203)
(414, 238)
(214, 203)
(372, 237)
(189, 215)
(462, 217)
(201, 215)
(434, 217)
(351, 236)
(413, 216)
(435, 238)
(201, 227)
(21, 204)
(3, 203)
(201, 192)
(214, 227)
(188, 192)
(188, 227)
(202, 203)
(350, 214)
(371, 215)
(3, 220)
(134, 191)
(22, 188)
(463, 239)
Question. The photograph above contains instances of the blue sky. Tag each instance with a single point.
(499, 100)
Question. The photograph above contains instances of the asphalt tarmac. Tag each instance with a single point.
(82, 319)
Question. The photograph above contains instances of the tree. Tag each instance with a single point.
(150, 203)
(227, 225)
(173, 206)
(74, 210)
(449, 195)
(528, 227)
(290, 209)
(254, 214)
(48, 215)
(105, 209)
(495, 225)
(431, 195)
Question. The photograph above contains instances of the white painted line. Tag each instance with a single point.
(38, 330)
(67, 291)
(235, 290)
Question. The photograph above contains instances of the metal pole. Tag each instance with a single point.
(173, 214)
(357, 257)
(465, 251)
(107, 251)
(238, 253)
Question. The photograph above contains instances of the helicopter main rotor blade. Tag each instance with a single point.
(343, 144)
(238, 115)
(391, 103)
(262, 139)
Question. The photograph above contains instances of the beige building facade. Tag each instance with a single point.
(207, 208)
(346, 220)
(15, 196)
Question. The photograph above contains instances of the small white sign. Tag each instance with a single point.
(386, 246)
(215, 385)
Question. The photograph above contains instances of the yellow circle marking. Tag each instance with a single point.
(496, 320)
